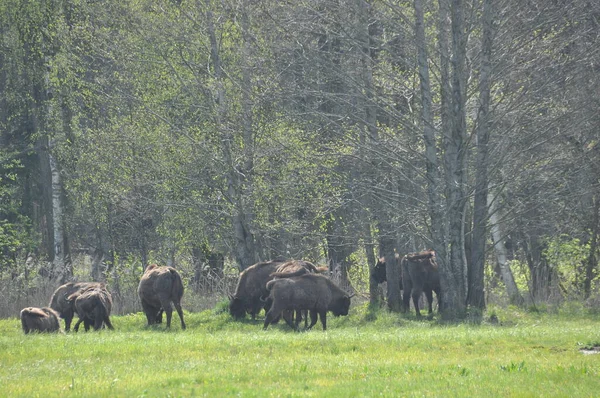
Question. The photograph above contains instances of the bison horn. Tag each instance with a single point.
(352, 295)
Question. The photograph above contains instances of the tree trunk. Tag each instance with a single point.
(592, 260)
(452, 272)
(61, 265)
(431, 156)
(501, 254)
(386, 249)
(475, 296)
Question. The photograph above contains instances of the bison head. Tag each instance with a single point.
(378, 273)
(237, 307)
(341, 306)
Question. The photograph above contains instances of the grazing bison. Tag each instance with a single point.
(158, 288)
(40, 319)
(296, 268)
(420, 274)
(93, 305)
(60, 303)
(312, 292)
(250, 288)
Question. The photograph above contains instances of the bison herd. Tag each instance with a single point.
(292, 290)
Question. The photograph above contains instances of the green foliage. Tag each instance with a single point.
(567, 256)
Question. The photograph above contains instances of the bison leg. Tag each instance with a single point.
(68, 316)
(180, 313)
(76, 327)
(151, 312)
(269, 318)
(323, 316)
(288, 316)
(313, 319)
(108, 323)
(406, 300)
(169, 312)
(416, 295)
(429, 295)
(407, 287)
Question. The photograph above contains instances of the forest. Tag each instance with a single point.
(210, 135)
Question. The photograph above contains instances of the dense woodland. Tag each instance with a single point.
(209, 135)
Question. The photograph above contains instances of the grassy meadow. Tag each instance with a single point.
(365, 354)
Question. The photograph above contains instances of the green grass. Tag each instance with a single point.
(528, 354)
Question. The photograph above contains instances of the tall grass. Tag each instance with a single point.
(365, 354)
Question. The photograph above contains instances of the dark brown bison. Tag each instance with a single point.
(59, 301)
(312, 292)
(296, 268)
(40, 319)
(420, 274)
(93, 305)
(250, 288)
(158, 288)
(379, 273)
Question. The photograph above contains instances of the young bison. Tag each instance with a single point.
(420, 274)
(93, 306)
(39, 319)
(59, 301)
(312, 292)
(250, 288)
(158, 288)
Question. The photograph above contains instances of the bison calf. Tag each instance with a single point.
(59, 301)
(312, 292)
(93, 306)
(158, 288)
(39, 319)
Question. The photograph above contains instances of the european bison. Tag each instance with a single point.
(59, 301)
(250, 288)
(39, 319)
(296, 268)
(379, 273)
(158, 288)
(420, 274)
(93, 305)
(312, 292)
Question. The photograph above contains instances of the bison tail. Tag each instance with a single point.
(177, 285)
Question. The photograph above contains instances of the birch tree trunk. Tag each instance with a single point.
(501, 253)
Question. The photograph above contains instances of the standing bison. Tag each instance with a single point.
(158, 288)
(93, 305)
(59, 301)
(250, 288)
(420, 274)
(39, 319)
(290, 269)
(312, 292)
